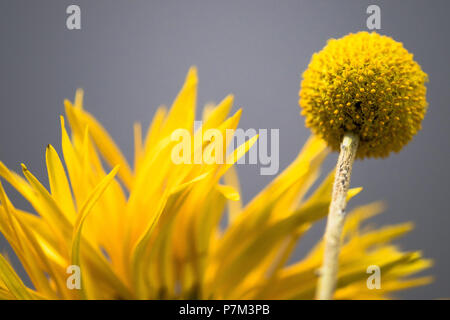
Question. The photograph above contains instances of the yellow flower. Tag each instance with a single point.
(152, 230)
(367, 84)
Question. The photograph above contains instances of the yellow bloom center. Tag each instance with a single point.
(367, 84)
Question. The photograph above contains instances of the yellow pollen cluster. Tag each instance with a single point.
(367, 84)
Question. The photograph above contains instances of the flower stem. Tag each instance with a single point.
(336, 215)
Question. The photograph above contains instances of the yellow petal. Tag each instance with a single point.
(182, 112)
(85, 210)
(106, 146)
(12, 281)
(46, 205)
(59, 184)
(234, 207)
(229, 192)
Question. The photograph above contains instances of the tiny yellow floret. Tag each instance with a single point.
(379, 85)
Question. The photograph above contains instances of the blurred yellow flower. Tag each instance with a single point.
(154, 231)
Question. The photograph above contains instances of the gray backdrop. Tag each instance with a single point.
(132, 56)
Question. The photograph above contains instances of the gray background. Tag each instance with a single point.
(132, 56)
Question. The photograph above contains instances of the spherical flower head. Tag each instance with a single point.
(367, 84)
